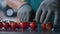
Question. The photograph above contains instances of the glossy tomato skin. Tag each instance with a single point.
(43, 26)
(1, 25)
(33, 25)
(49, 26)
(6, 25)
(24, 25)
(13, 25)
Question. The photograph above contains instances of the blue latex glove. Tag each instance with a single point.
(45, 11)
(26, 13)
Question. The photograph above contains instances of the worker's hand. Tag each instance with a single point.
(25, 13)
(15, 4)
(45, 11)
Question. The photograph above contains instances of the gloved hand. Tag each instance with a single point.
(45, 11)
(24, 11)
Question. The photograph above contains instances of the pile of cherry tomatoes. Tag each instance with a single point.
(18, 25)
(24, 25)
(48, 26)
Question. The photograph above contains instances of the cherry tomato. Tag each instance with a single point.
(49, 26)
(1, 24)
(24, 25)
(18, 25)
(6, 25)
(13, 25)
(33, 25)
(43, 26)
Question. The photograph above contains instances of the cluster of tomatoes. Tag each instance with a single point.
(24, 25)
(17, 25)
(47, 26)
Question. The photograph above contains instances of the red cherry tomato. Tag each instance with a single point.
(18, 25)
(24, 25)
(6, 25)
(33, 25)
(1, 25)
(13, 25)
(43, 26)
(49, 26)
